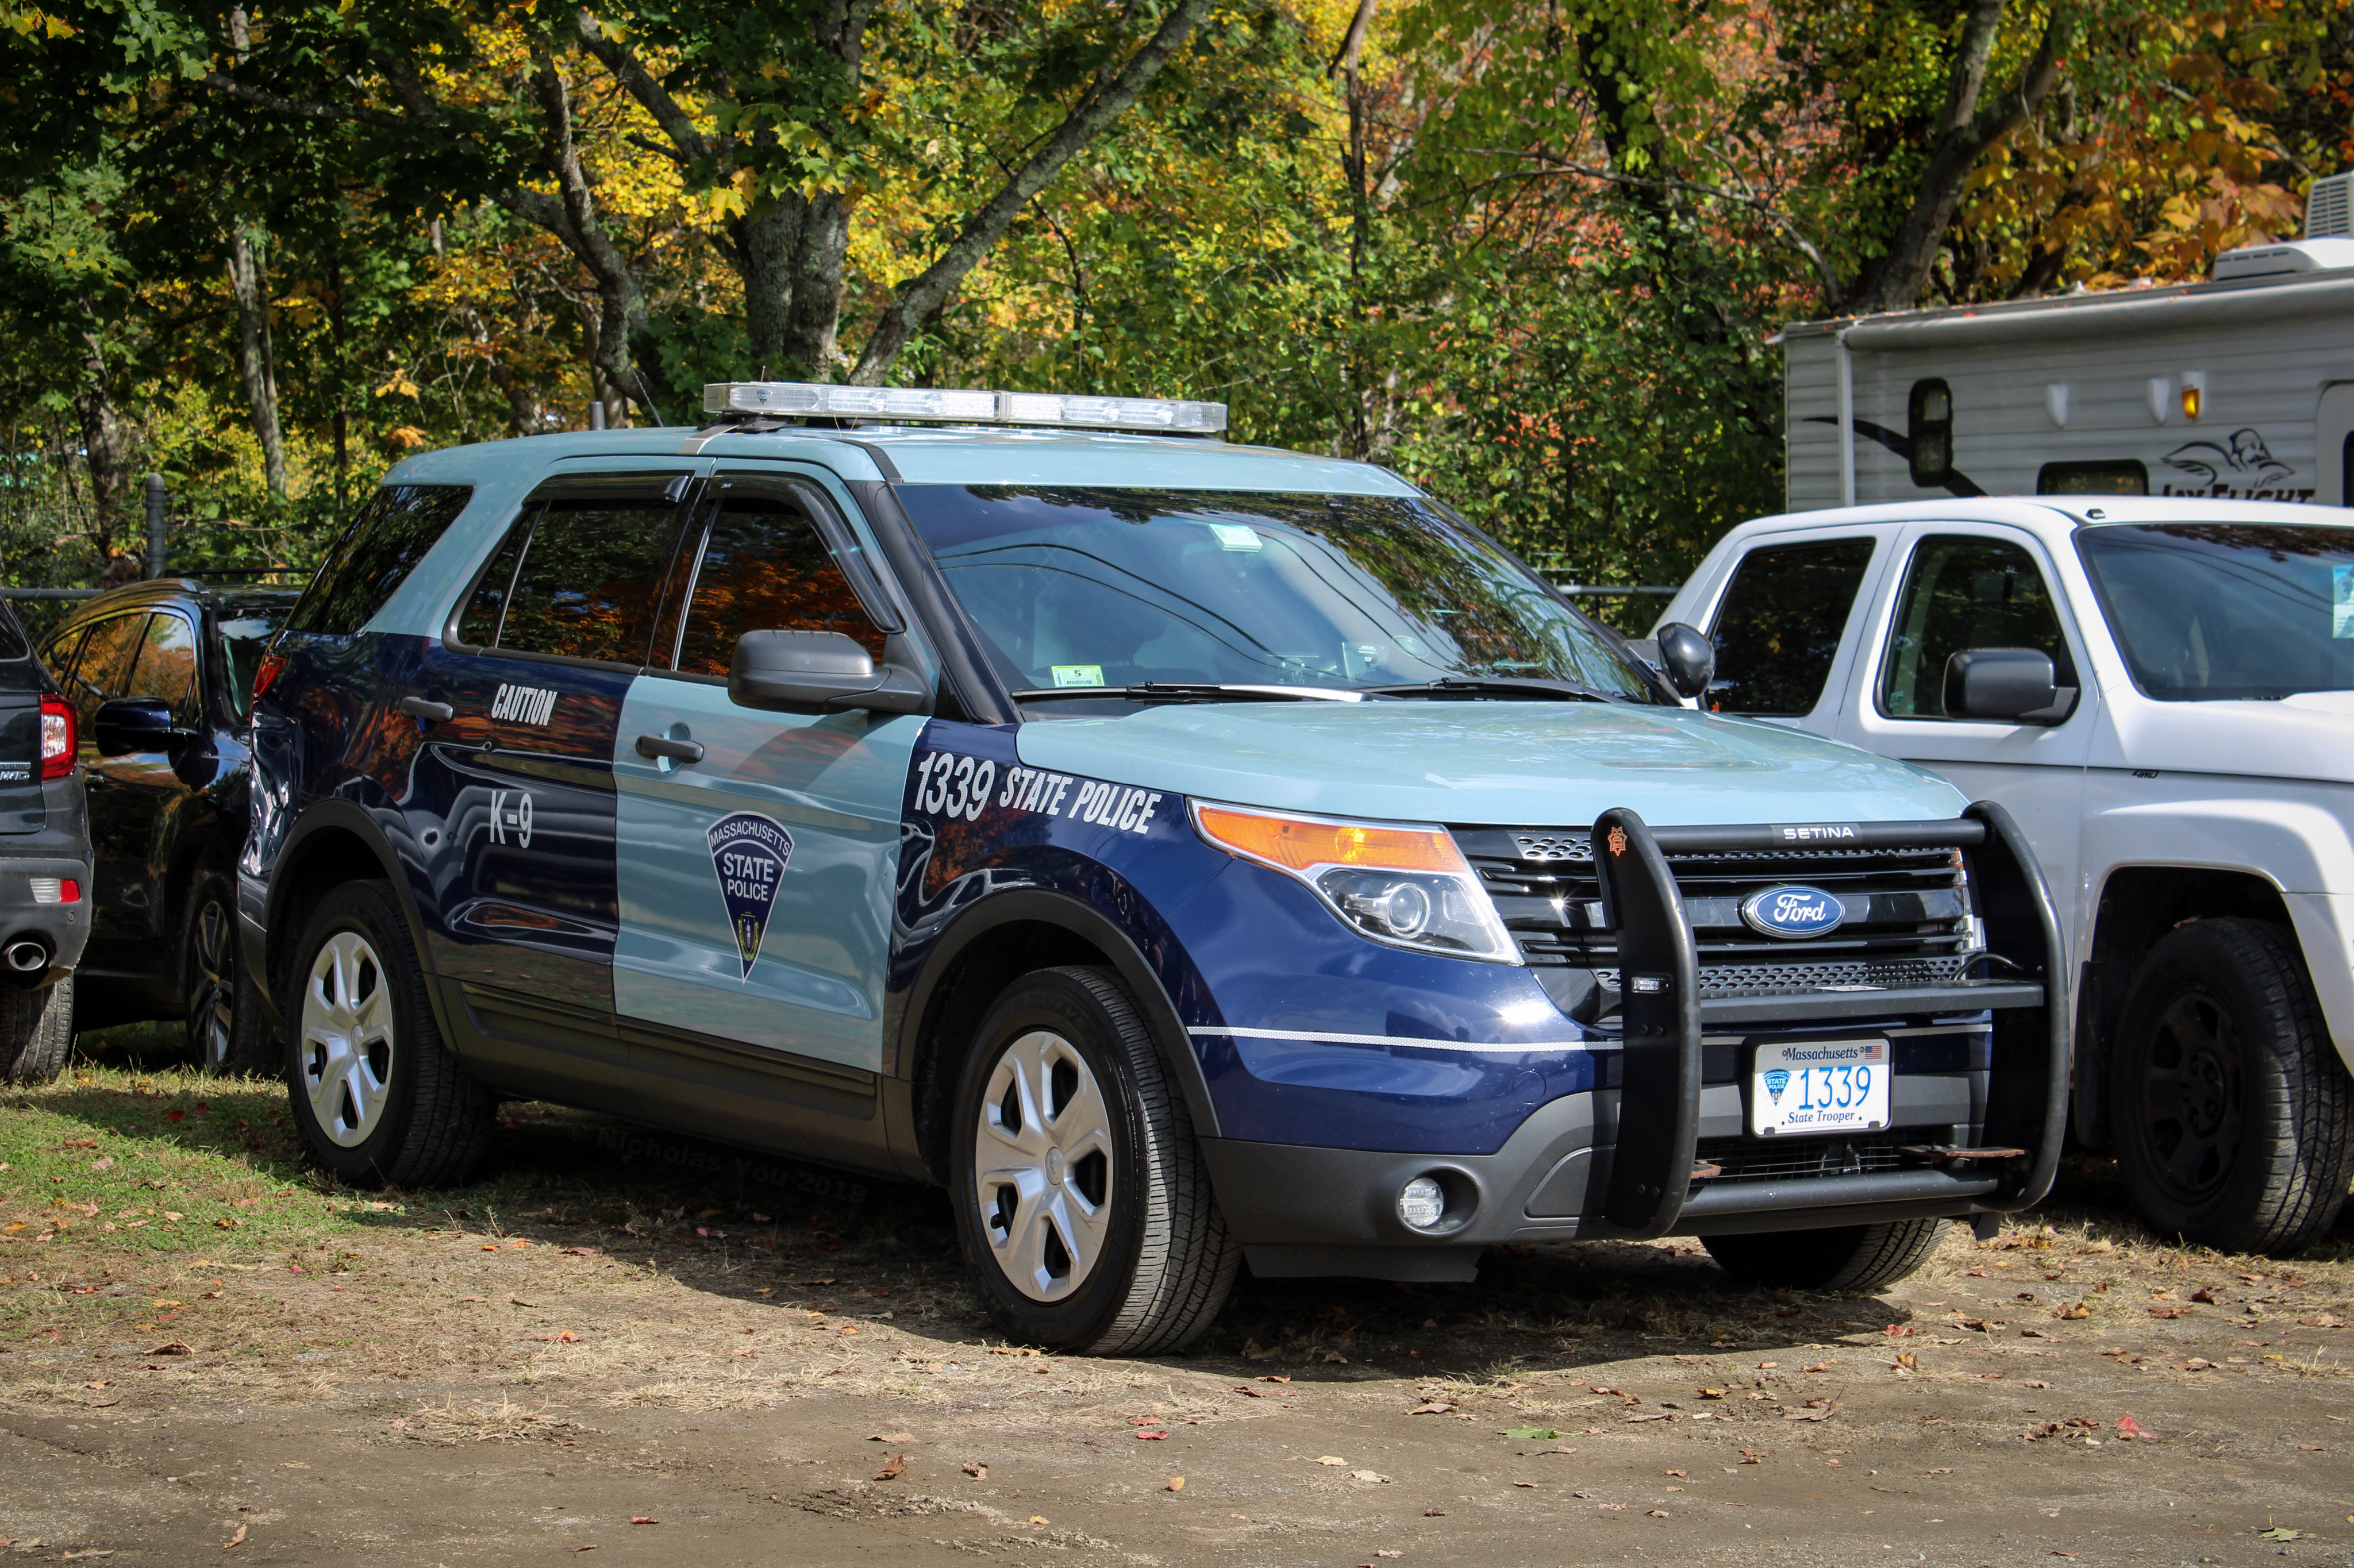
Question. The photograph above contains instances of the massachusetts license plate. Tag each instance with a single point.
(1819, 1086)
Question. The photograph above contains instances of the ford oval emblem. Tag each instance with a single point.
(1793, 911)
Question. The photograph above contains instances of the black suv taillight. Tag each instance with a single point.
(266, 672)
(58, 740)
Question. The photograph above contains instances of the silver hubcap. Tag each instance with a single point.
(1042, 1166)
(211, 1008)
(346, 1038)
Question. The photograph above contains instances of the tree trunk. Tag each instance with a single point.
(1966, 130)
(106, 449)
(249, 282)
(917, 299)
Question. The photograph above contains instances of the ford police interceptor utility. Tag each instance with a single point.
(1188, 855)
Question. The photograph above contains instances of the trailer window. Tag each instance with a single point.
(1964, 592)
(1929, 432)
(2122, 477)
(1779, 626)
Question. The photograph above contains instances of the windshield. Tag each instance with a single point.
(2206, 611)
(1073, 588)
(245, 632)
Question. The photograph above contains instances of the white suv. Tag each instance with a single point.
(2161, 690)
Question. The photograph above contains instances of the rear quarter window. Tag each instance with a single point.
(375, 556)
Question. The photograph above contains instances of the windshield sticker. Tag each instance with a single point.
(2341, 602)
(1079, 675)
(1237, 536)
(747, 854)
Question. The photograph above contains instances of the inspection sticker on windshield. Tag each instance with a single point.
(1079, 675)
(2341, 602)
(1819, 1086)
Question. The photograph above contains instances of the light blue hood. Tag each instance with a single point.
(1549, 763)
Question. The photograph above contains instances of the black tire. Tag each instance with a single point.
(227, 1031)
(2233, 1114)
(1163, 1261)
(1843, 1257)
(37, 1033)
(379, 1099)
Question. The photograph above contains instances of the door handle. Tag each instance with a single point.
(425, 708)
(653, 746)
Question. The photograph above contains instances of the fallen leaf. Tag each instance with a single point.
(1377, 1476)
(2204, 1293)
(176, 1348)
(2035, 1385)
(1335, 1359)
(1712, 1393)
(105, 1164)
(643, 1518)
(2169, 1312)
(1152, 1434)
(1900, 1330)
(1659, 1513)
(1174, 1484)
(1529, 1484)
(1907, 1361)
(1386, 1552)
(1436, 1407)
(1533, 1435)
(1817, 1410)
(1275, 1377)
(2323, 1321)
(234, 1540)
(2280, 1532)
(580, 1252)
(2074, 1309)
(1755, 1455)
(976, 1469)
(1038, 1518)
(893, 1468)
(1330, 1459)
(1679, 1473)
(893, 1437)
(1817, 1367)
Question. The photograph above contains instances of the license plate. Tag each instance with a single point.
(1819, 1086)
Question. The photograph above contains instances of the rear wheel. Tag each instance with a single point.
(2233, 1115)
(1082, 1204)
(379, 1099)
(225, 1024)
(35, 1032)
(1843, 1257)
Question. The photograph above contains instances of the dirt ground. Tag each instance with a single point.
(646, 1347)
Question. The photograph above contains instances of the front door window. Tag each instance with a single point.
(1964, 592)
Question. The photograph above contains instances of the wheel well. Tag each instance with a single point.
(2139, 905)
(323, 861)
(954, 1010)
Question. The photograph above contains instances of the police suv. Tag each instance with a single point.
(1188, 854)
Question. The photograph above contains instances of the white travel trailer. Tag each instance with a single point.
(2240, 386)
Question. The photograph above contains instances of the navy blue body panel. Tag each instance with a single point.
(1310, 1034)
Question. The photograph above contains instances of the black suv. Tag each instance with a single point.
(160, 677)
(45, 871)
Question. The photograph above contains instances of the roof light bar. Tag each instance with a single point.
(964, 407)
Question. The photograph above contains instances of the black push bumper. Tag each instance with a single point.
(1622, 1163)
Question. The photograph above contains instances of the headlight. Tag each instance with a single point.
(1406, 886)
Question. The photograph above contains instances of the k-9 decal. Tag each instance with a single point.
(749, 853)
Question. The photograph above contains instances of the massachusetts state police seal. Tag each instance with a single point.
(748, 854)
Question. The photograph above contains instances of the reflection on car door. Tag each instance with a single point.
(124, 792)
(756, 881)
(511, 799)
(1982, 586)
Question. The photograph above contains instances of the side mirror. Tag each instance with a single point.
(1687, 657)
(130, 725)
(810, 672)
(2012, 685)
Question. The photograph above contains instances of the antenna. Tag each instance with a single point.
(644, 396)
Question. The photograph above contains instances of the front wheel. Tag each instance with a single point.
(226, 1030)
(1841, 1257)
(379, 1099)
(2233, 1116)
(1083, 1208)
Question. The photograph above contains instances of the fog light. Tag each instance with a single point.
(1421, 1203)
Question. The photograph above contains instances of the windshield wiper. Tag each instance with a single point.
(1500, 686)
(1193, 692)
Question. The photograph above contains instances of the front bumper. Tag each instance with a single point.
(1577, 1168)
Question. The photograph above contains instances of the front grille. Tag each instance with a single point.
(1907, 915)
(1743, 1159)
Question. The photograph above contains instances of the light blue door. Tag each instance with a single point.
(757, 881)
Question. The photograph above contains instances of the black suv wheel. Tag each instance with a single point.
(224, 1025)
(1843, 1257)
(379, 1099)
(2234, 1117)
(1084, 1210)
(37, 1033)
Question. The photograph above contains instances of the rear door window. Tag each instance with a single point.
(101, 666)
(765, 566)
(1777, 630)
(580, 579)
(1964, 592)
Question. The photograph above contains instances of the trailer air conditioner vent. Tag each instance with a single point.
(2329, 208)
(2285, 261)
